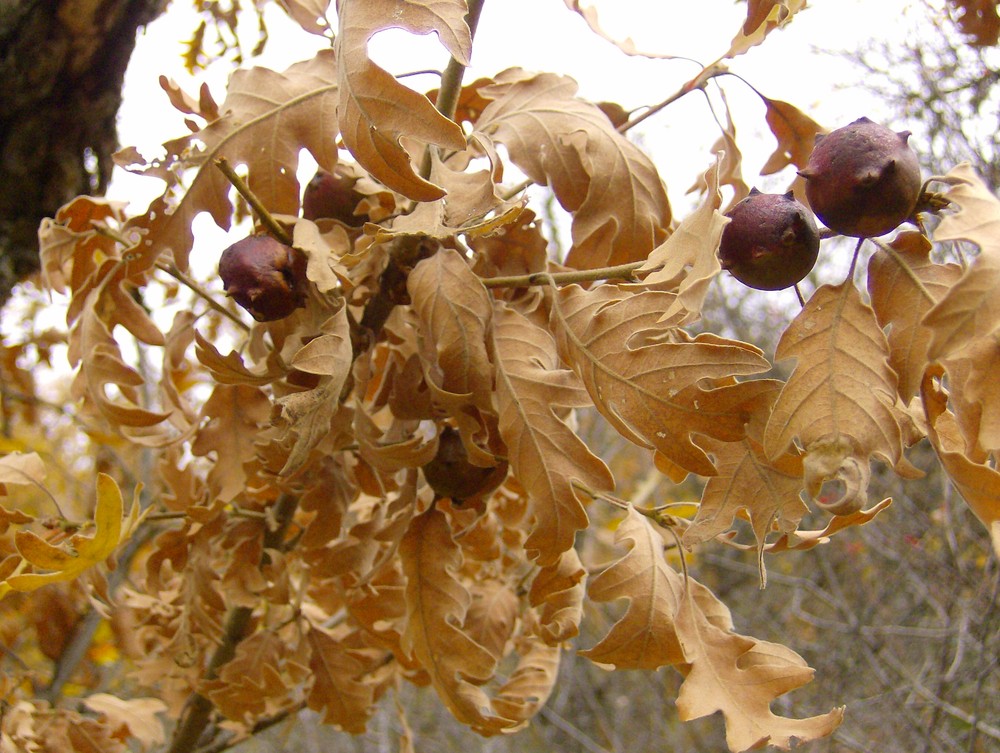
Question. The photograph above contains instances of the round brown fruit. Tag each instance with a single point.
(771, 242)
(264, 276)
(332, 196)
(451, 475)
(862, 180)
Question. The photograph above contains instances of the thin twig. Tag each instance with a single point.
(259, 209)
(621, 272)
(174, 272)
(198, 710)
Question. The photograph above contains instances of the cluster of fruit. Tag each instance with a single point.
(862, 181)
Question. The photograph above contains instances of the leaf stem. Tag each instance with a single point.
(172, 270)
(620, 272)
(265, 217)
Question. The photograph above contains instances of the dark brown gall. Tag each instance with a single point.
(862, 180)
(265, 277)
(451, 475)
(771, 242)
(332, 196)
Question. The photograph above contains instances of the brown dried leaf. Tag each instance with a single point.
(544, 453)
(900, 303)
(796, 134)
(70, 246)
(436, 607)
(311, 15)
(689, 256)
(235, 414)
(840, 400)
(557, 595)
(307, 415)
(971, 308)
(137, 715)
(763, 17)
(492, 616)
(376, 111)
(645, 637)
(741, 677)
(455, 314)
(627, 46)
(267, 118)
(657, 386)
(768, 490)
(978, 483)
(980, 20)
(974, 395)
(619, 205)
(339, 691)
(230, 369)
(528, 687)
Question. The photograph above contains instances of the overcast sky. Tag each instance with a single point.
(542, 35)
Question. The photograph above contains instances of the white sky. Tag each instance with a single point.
(542, 35)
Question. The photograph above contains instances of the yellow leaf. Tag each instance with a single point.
(85, 551)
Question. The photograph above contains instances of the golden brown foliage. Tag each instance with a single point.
(291, 554)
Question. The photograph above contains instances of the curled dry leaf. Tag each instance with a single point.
(971, 307)
(901, 297)
(840, 400)
(375, 111)
(657, 386)
(978, 483)
(763, 17)
(546, 457)
(436, 607)
(688, 258)
(619, 205)
(82, 552)
(645, 637)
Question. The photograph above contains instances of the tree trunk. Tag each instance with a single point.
(62, 65)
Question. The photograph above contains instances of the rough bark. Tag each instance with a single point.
(62, 64)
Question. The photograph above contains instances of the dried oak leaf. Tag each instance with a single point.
(978, 483)
(740, 676)
(763, 17)
(767, 490)
(267, 118)
(339, 691)
(21, 469)
(975, 397)
(375, 111)
(546, 457)
(899, 298)
(528, 687)
(971, 307)
(796, 134)
(234, 415)
(138, 716)
(645, 636)
(688, 259)
(437, 603)
(617, 198)
(840, 399)
(656, 385)
(557, 595)
(980, 20)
